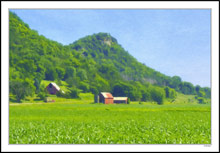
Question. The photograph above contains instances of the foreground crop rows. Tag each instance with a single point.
(109, 124)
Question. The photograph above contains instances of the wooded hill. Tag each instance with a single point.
(94, 63)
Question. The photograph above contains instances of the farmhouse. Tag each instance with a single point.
(53, 88)
(120, 100)
(105, 98)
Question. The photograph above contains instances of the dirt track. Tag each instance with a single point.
(25, 103)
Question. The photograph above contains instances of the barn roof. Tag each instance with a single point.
(107, 94)
(120, 98)
(55, 85)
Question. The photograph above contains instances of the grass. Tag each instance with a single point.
(72, 123)
(83, 98)
(180, 99)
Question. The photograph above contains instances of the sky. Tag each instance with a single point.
(174, 42)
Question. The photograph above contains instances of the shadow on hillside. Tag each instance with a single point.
(37, 100)
(13, 100)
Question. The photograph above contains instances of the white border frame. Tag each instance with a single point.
(110, 5)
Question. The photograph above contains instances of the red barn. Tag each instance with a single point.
(53, 88)
(106, 98)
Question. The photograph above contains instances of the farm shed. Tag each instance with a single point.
(105, 98)
(53, 88)
(120, 100)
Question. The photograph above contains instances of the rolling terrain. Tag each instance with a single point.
(82, 69)
(94, 64)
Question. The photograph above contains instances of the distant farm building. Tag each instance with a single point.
(53, 88)
(105, 98)
(120, 100)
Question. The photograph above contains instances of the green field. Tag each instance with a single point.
(72, 123)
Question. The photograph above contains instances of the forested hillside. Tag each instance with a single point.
(94, 63)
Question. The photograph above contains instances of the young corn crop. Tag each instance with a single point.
(109, 124)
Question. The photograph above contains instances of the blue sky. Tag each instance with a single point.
(174, 42)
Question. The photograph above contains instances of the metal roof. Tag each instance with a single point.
(55, 85)
(120, 98)
(107, 94)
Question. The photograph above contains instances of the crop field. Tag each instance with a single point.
(68, 123)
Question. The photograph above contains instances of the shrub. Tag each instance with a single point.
(42, 95)
(201, 94)
(60, 93)
(201, 100)
(73, 93)
(128, 102)
(170, 93)
(189, 100)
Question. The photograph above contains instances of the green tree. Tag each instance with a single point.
(170, 93)
(70, 72)
(42, 95)
(17, 88)
(146, 95)
(40, 72)
(119, 89)
(207, 91)
(84, 86)
(197, 88)
(73, 81)
(187, 88)
(134, 94)
(27, 67)
(201, 93)
(37, 85)
(81, 73)
(60, 93)
(51, 74)
(74, 93)
(175, 82)
(158, 95)
(29, 85)
(122, 89)
(60, 72)
(100, 83)
(95, 93)
(21, 88)
(167, 91)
